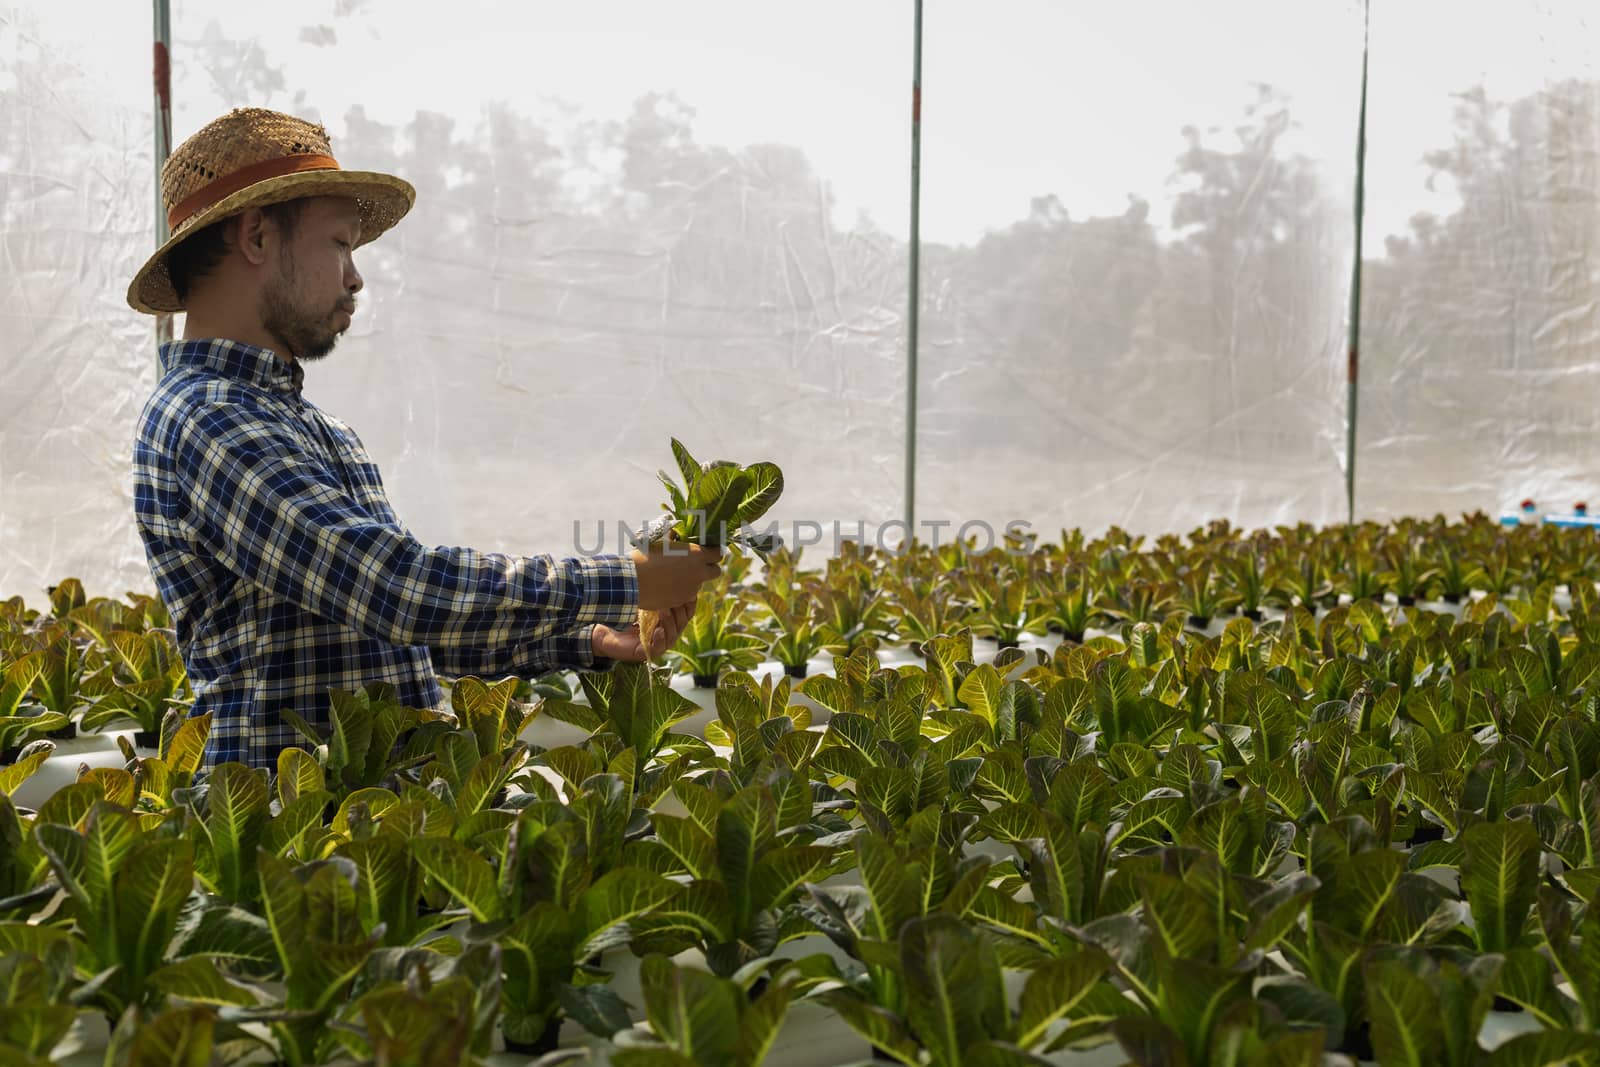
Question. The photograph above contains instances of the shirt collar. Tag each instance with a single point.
(261, 367)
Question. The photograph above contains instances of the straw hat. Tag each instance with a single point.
(253, 157)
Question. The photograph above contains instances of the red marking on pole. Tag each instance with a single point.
(916, 103)
(1355, 365)
(163, 73)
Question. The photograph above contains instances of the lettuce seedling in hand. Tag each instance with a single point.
(713, 508)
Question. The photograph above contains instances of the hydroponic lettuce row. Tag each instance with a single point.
(1354, 829)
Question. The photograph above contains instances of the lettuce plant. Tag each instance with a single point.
(1365, 896)
(1201, 594)
(1072, 602)
(146, 678)
(1407, 569)
(1142, 600)
(745, 858)
(361, 749)
(62, 667)
(443, 1019)
(855, 611)
(717, 502)
(1004, 608)
(549, 914)
(925, 609)
(703, 1020)
(319, 946)
(159, 779)
(763, 732)
(35, 985)
(125, 889)
(714, 507)
(717, 640)
(631, 707)
(797, 636)
(1188, 947)
(954, 1010)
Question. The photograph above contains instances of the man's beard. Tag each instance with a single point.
(304, 333)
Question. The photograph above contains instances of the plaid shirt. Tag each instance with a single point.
(287, 573)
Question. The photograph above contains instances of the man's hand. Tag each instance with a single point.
(625, 644)
(672, 576)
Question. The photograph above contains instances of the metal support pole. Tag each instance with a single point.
(914, 304)
(1353, 373)
(163, 126)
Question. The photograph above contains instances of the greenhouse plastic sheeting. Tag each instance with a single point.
(1481, 326)
(640, 220)
(1175, 352)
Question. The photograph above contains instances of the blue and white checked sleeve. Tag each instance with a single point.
(282, 520)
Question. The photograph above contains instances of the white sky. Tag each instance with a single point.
(1021, 97)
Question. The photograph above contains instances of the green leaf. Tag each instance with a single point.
(1149, 1043)
(689, 468)
(780, 871)
(1053, 992)
(760, 1022)
(1500, 878)
(466, 875)
(1527, 980)
(696, 1013)
(597, 1008)
(197, 979)
(298, 775)
(1406, 1023)
(15, 774)
(877, 1026)
(236, 812)
(980, 692)
(954, 995)
(695, 849)
(228, 933)
(715, 498)
(179, 1037)
(619, 896)
(766, 486)
(388, 884)
(1545, 1048)
(152, 884)
(1303, 1005)
(1180, 918)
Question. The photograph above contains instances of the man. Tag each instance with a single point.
(266, 525)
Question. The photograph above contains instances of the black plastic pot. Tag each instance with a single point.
(547, 1041)
(147, 739)
(705, 681)
(1199, 622)
(66, 733)
(1451, 598)
(1426, 833)
(1073, 636)
(8, 756)
(1407, 601)
(1358, 1043)
(1253, 614)
(795, 670)
(1009, 644)
(1055, 628)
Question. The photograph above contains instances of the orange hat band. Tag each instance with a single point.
(243, 178)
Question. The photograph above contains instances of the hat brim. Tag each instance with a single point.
(383, 200)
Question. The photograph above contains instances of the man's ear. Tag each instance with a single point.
(252, 234)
